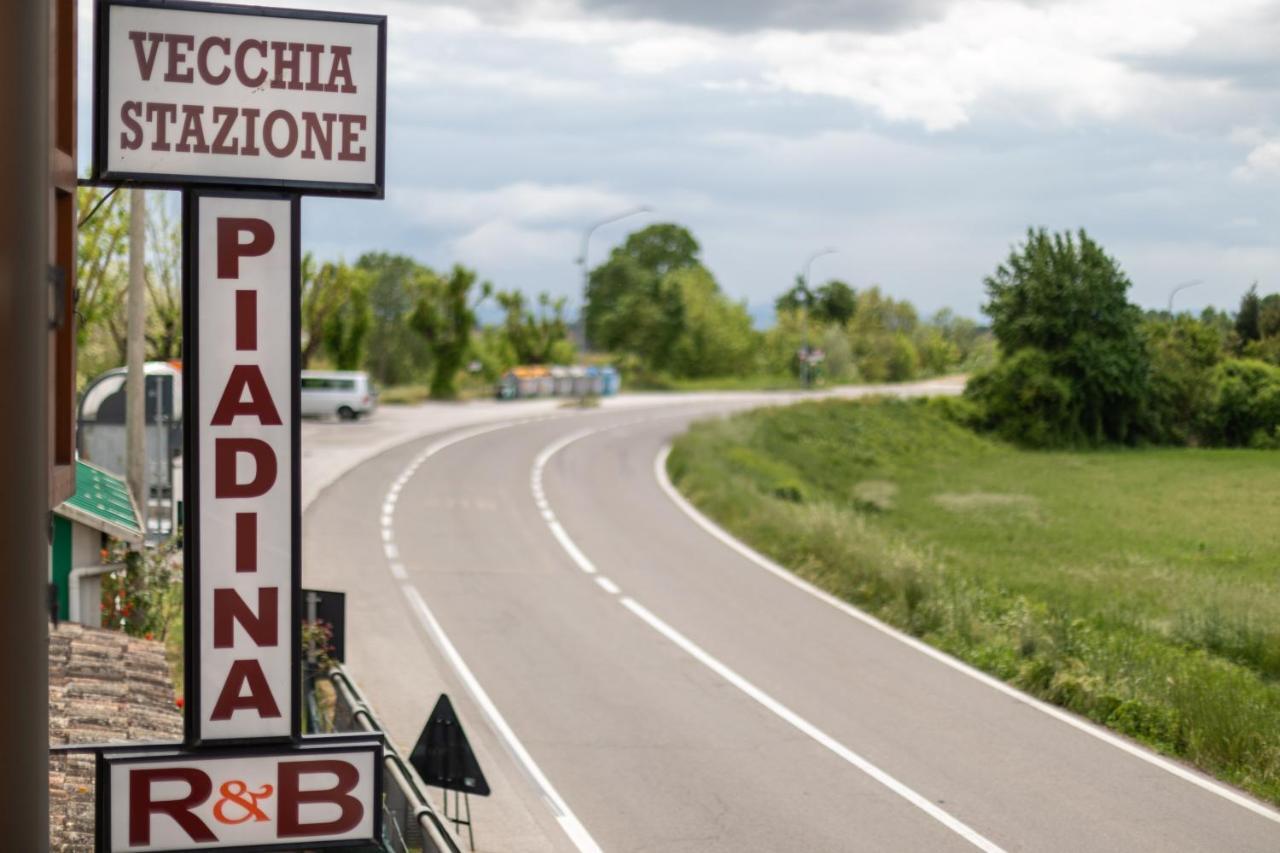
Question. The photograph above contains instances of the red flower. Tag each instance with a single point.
(179, 701)
(150, 636)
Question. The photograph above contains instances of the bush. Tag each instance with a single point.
(1182, 352)
(1244, 405)
(1024, 402)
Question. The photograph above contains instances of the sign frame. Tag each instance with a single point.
(191, 469)
(99, 174)
(352, 743)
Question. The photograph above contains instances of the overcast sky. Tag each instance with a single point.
(919, 138)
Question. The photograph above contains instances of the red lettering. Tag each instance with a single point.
(246, 377)
(161, 115)
(229, 608)
(250, 119)
(268, 134)
(314, 135)
(246, 319)
(225, 453)
(292, 796)
(245, 673)
(230, 250)
(294, 49)
(192, 127)
(227, 115)
(202, 61)
(178, 47)
(146, 62)
(242, 72)
(128, 111)
(340, 69)
(315, 51)
(142, 807)
(246, 541)
(350, 123)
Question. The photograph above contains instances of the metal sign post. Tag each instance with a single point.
(245, 109)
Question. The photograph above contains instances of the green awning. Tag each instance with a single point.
(102, 502)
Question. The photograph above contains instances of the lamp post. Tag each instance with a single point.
(808, 306)
(582, 257)
(1180, 287)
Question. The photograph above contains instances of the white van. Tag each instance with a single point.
(345, 393)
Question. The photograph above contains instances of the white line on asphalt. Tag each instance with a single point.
(564, 816)
(786, 714)
(792, 718)
(569, 823)
(664, 481)
(392, 552)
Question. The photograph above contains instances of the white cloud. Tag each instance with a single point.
(522, 203)
(1262, 163)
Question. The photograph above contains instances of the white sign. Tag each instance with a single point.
(203, 801)
(210, 93)
(245, 421)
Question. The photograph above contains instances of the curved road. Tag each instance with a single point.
(632, 681)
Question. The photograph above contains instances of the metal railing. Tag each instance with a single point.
(409, 823)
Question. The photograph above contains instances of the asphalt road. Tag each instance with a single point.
(633, 682)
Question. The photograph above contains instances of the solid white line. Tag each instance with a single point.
(789, 716)
(564, 816)
(792, 718)
(1213, 787)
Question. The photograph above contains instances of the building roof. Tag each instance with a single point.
(104, 686)
(102, 501)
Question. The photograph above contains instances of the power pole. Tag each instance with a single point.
(135, 388)
(25, 462)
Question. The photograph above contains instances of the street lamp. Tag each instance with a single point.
(1182, 286)
(582, 257)
(808, 306)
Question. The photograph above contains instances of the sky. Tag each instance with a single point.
(918, 138)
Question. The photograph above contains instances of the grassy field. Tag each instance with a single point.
(1140, 588)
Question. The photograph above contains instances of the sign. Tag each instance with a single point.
(204, 93)
(443, 757)
(243, 569)
(299, 799)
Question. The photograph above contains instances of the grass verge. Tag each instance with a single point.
(1137, 588)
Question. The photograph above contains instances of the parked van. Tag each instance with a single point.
(345, 393)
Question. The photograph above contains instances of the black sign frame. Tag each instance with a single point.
(191, 467)
(99, 174)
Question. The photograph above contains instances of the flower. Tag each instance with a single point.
(179, 701)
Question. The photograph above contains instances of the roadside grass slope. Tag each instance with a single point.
(1139, 588)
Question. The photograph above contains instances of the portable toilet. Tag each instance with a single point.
(563, 381)
(611, 379)
(595, 381)
(581, 382)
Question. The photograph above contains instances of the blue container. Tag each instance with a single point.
(612, 381)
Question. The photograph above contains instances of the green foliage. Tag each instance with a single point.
(1247, 318)
(1023, 401)
(445, 317)
(1156, 617)
(335, 313)
(397, 354)
(1243, 407)
(1182, 352)
(144, 599)
(1064, 297)
(715, 337)
(538, 336)
(833, 303)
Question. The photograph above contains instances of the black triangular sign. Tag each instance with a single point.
(442, 756)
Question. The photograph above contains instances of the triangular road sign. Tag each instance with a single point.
(442, 756)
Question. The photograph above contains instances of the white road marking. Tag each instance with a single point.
(782, 711)
(607, 585)
(1213, 787)
(569, 823)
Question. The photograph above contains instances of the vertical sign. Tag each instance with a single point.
(243, 569)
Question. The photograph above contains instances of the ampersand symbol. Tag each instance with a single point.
(237, 793)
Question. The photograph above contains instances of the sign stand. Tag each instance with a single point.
(245, 110)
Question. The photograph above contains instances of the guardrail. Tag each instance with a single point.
(409, 823)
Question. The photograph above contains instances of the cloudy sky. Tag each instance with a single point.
(919, 138)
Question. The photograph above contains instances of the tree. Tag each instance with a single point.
(715, 337)
(163, 275)
(835, 302)
(101, 249)
(335, 313)
(445, 317)
(540, 337)
(1066, 298)
(622, 291)
(397, 352)
(1248, 315)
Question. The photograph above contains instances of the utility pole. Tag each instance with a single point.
(806, 367)
(25, 463)
(135, 386)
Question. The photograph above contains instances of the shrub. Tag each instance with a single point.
(1024, 402)
(1244, 405)
(1182, 352)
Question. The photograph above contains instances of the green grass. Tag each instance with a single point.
(1139, 588)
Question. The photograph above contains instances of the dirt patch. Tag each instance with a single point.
(990, 503)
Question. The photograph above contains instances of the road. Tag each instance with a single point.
(634, 682)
